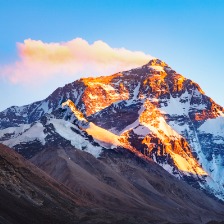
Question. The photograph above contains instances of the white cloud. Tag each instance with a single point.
(39, 61)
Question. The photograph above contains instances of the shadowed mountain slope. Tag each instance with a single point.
(122, 182)
(28, 195)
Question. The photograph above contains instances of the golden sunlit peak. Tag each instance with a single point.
(157, 62)
(101, 79)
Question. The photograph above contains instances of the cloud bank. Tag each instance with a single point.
(39, 61)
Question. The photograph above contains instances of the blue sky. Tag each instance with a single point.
(186, 34)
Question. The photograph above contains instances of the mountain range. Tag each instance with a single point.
(146, 142)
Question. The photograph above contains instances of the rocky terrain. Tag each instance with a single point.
(89, 190)
(122, 182)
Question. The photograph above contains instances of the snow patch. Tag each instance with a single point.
(14, 131)
(213, 126)
(35, 132)
(157, 68)
(141, 130)
(102, 134)
(64, 128)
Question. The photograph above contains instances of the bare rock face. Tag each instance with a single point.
(151, 111)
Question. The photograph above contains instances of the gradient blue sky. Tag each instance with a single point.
(186, 34)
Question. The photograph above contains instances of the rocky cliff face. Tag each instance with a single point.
(152, 111)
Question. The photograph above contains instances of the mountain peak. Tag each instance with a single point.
(156, 62)
(151, 110)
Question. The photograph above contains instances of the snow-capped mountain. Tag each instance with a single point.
(151, 111)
